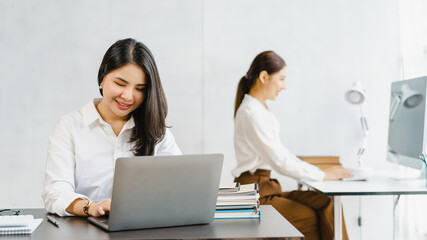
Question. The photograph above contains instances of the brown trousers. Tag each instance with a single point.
(311, 213)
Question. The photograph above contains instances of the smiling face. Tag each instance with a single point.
(274, 84)
(123, 92)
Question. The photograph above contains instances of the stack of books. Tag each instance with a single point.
(237, 201)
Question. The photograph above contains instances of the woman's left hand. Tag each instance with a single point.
(99, 209)
(337, 173)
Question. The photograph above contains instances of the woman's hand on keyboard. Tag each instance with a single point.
(99, 209)
(337, 173)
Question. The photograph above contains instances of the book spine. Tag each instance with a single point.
(238, 210)
(14, 231)
(255, 217)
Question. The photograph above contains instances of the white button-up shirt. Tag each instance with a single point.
(257, 144)
(81, 157)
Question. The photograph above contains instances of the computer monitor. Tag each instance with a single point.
(407, 122)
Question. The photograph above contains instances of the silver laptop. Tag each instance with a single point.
(163, 191)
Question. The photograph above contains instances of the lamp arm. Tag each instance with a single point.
(361, 150)
(394, 106)
(364, 144)
(363, 122)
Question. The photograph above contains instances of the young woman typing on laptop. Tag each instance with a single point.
(129, 120)
(259, 150)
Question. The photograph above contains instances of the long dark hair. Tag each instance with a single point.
(267, 61)
(150, 117)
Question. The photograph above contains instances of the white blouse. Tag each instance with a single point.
(81, 157)
(257, 144)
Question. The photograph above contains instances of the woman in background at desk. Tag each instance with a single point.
(259, 149)
(129, 120)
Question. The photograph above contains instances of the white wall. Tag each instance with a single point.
(50, 52)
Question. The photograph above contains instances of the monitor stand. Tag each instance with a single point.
(411, 175)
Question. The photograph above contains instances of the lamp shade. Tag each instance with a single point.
(356, 94)
(410, 97)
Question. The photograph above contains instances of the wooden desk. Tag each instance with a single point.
(322, 162)
(272, 226)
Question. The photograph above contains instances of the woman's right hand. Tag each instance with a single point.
(99, 209)
(337, 173)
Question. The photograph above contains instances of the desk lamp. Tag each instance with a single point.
(410, 98)
(356, 95)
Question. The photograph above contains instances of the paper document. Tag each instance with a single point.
(21, 229)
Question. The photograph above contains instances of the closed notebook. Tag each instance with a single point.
(10, 230)
(237, 213)
(229, 187)
(241, 206)
(245, 189)
(237, 197)
(238, 202)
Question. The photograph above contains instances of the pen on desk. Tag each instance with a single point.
(53, 221)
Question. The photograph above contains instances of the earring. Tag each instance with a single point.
(100, 87)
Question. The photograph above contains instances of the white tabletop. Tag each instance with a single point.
(373, 186)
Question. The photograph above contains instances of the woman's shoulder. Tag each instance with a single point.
(244, 112)
(84, 115)
(252, 113)
(249, 109)
(167, 146)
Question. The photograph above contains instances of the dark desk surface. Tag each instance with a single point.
(272, 225)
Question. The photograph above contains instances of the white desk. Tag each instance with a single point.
(373, 186)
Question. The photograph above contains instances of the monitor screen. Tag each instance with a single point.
(406, 132)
